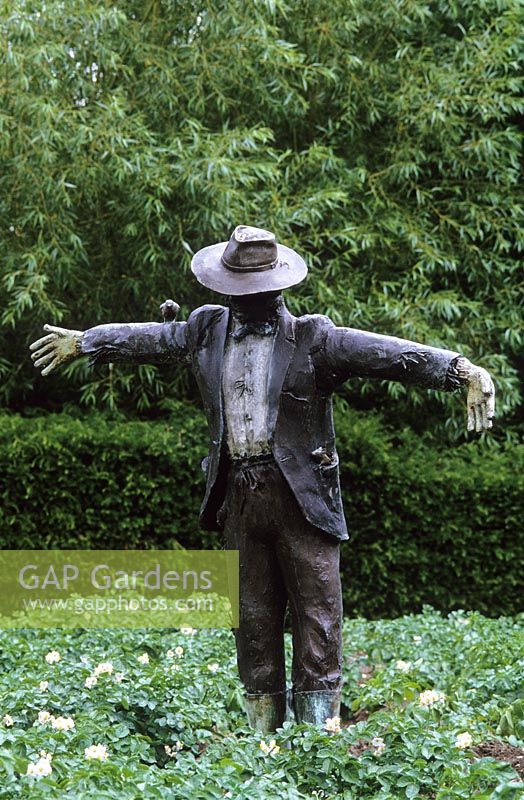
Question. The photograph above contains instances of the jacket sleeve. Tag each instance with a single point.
(348, 352)
(136, 343)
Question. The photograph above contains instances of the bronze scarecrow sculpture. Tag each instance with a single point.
(266, 380)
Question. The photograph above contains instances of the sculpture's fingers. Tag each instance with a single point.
(54, 329)
(45, 359)
(471, 419)
(44, 340)
(479, 427)
(490, 403)
(41, 350)
(51, 367)
(486, 422)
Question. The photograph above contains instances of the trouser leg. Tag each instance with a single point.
(311, 573)
(309, 561)
(260, 635)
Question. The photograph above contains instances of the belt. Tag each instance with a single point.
(245, 468)
(252, 461)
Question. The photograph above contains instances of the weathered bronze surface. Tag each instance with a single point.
(277, 500)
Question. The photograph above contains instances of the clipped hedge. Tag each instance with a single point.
(442, 527)
(438, 527)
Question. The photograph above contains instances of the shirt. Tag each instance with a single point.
(245, 393)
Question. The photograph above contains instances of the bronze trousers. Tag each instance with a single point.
(283, 560)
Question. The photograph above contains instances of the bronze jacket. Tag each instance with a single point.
(310, 358)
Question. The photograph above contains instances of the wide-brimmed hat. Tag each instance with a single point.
(251, 262)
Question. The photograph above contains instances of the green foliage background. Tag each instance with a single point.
(377, 137)
(428, 526)
(380, 139)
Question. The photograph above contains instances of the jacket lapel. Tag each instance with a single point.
(283, 349)
(211, 359)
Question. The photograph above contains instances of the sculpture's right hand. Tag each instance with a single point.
(58, 347)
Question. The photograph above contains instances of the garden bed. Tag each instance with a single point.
(156, 714)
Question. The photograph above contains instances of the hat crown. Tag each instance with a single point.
(250, 249)
(247, 233)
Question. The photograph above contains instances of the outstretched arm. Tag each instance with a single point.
(348, 352)
(136, 343)
(133, 343)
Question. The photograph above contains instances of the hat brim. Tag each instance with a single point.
(209, 270)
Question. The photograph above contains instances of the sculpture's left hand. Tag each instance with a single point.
(481, 395)
(60, 346)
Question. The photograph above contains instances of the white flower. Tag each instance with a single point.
(188, 631)
(91, 681)
(62, 723)
(213, 667)
(45, 754)
(431, 698)
(172, 751)
(332, 724)
(175, 667)
(144, 658)
(179, 651)
(44, 717)
(96, 752)
(170, 654)
(403, 666)
(417, 639)
(84, 659)
(105, 667)
(119, 677)
(378, 745)
(41, 769)
(8, 721)
(43, 686)
(53, 657)
(463, 741)
(270, 749)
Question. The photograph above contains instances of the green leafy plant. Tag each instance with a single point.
(163, 716)
(512, 720)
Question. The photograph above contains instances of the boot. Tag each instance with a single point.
(316, 707)
(266, 712)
